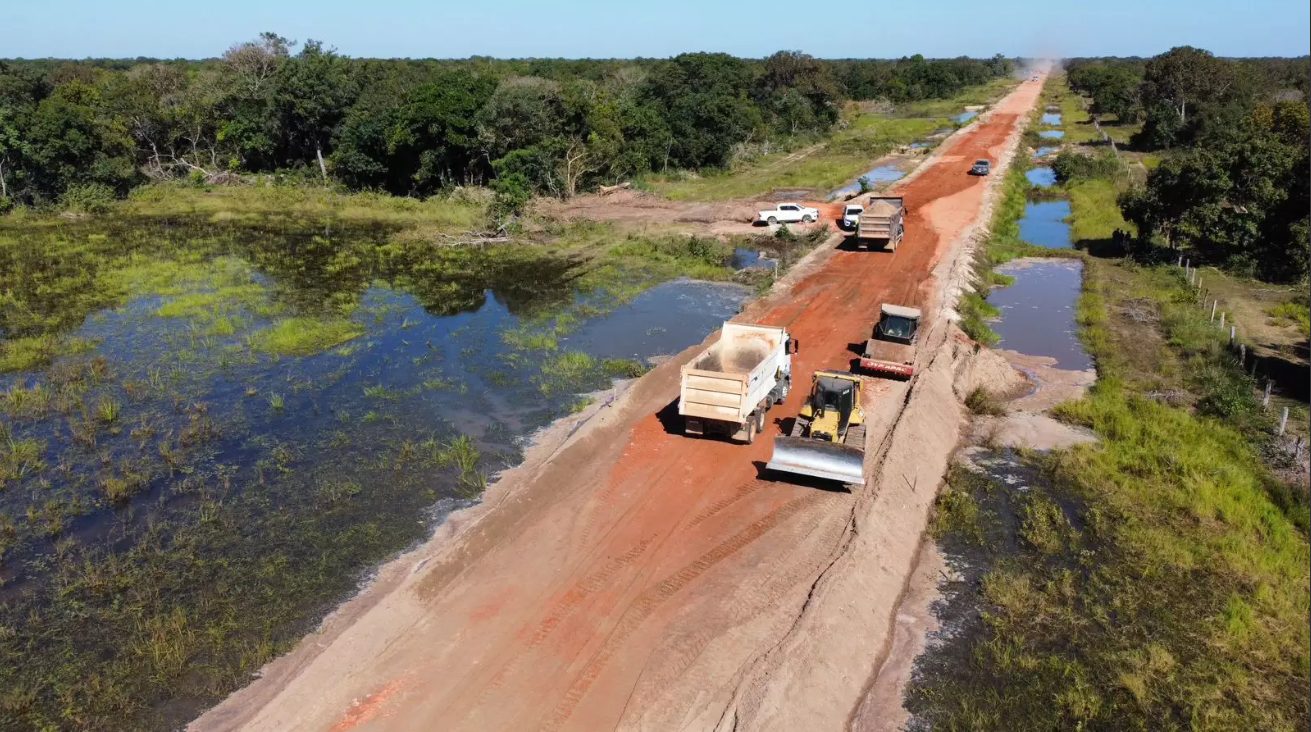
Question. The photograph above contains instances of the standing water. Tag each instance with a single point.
(1038, 310)
(1051, 120)
(1044, 224)
(880, 174)
(1043, 177)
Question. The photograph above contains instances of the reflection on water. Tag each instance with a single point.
(1044, 224)
(1051, 134)
(1038, 310)
(877, 175)
(1043, 177)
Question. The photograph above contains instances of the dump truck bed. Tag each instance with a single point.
(882, 218)
(727, 380)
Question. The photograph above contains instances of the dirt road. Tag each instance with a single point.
(631, 577)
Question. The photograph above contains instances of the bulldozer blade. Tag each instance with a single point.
(818, 459)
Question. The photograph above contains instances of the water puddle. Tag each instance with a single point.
(923, 144)
(1051, 120)
(1051, 134)
(1038, 310)
(744, 258)
(1044, 224)
(1044, 150)
(964, 117)
(876, 176)
(1043, 177)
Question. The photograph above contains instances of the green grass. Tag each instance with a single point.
(863, 137)
(462, 210)
(305, 336)
(1094, 211)
(1154, 580)
(1296, 313)
(28, 353)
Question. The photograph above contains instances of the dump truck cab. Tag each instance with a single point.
(891, 352)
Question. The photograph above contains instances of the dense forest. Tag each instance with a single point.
(1232, 185)
(88, 129)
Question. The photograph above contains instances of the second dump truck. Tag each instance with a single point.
(727, 389)
(881, 222)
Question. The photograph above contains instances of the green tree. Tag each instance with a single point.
(313, 90)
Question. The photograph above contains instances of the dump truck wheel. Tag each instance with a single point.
(751, 431)
(760, 421)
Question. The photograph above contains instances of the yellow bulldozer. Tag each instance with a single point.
(828, 438)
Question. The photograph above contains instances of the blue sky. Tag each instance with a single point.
(592, 28)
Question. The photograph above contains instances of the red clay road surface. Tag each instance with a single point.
(630, 579)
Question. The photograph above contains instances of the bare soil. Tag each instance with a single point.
(628, 576)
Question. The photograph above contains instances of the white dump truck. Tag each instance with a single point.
(881, 221)
(727, 389)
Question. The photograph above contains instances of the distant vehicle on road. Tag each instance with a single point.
(850, 216)
(981, 167)
(789, 213)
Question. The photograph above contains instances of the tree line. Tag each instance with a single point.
(415, 127)
(1233, 182)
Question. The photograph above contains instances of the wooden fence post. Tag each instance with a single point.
(1232, 330)
(1265, 400)
(1214, 303)
(1222, 327)
(1283, 422)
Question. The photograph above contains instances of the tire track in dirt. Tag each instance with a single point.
(661, 592)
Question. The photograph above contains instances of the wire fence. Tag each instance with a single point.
(1295, 446)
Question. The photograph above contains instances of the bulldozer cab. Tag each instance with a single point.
(833, 394)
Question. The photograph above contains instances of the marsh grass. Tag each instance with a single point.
(305, 336)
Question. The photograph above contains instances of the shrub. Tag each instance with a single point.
(1072, 166)
(90, 198)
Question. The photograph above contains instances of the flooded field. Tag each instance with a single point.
(994, 513)
(1038, 310)
(1044, 151)
(1051, 134)
(1051, 119)
(1045, 224)
(964, 117)
(230, 424)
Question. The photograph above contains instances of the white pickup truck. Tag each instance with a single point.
(789, 213)
(727, 389)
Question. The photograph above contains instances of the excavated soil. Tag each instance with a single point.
(628, 576)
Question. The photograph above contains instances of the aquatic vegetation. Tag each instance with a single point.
(107, 410)
(170, 450)
(305, 336)
(19, 458)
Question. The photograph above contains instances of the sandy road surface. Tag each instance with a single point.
(632, 577)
